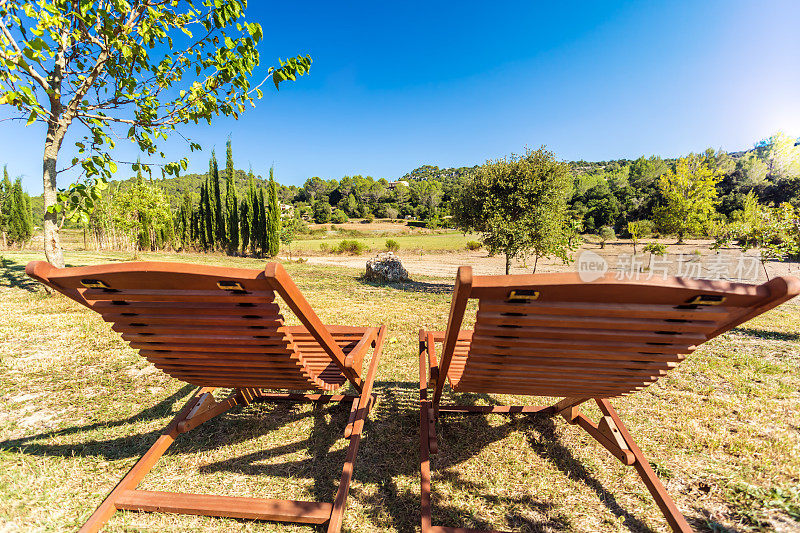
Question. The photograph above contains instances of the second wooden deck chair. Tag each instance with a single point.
(220, 327)
(552, 335)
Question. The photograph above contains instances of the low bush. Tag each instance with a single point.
(474, 245)
(323, 246)
(392, 245)
(655, 248)
(338, 217)
(350, 247)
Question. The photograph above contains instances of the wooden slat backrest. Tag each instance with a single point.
(209, 326)
(553, 335)
(283, 284)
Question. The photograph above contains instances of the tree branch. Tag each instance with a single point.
(8, 39)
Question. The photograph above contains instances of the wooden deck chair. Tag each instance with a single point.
(552, 335)
(220, 327)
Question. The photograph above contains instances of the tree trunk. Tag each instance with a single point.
(52, 239)
(508, 263)
(535, 262)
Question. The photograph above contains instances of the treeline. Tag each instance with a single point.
(610, 195)
(530, 205)
(603, 194)
(137, 214)
(16, 221)
(362, 197)
(241, 214)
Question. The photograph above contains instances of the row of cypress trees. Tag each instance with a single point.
(16, 220)
(250, 226)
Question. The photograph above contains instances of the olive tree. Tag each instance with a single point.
(689, 196)
(519, 206)
(125, 69)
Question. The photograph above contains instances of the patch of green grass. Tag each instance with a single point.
(756, 505)
(445, 241)
(79, 407)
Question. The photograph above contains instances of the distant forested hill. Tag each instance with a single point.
(174, 187)
(605, 193)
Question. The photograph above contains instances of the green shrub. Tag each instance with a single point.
(392, 245)
(338, 216)
(647, 228)
(324, 247)
(474, 245)
(606, 234)
(369, 217)
(432, 223)
(350, 247)
(322, 212)
(655, 248)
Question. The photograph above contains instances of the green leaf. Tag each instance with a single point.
(32, 118)
(112, 166)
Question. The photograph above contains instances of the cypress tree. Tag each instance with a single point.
(245, 217)
(274, 220)
(262, 221)
(220, 237)
(231, 203)
(255, 225)
(20, 221)
(208, 216)
(185, 220)
(195, 235)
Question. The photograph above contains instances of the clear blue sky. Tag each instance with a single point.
(397, 85)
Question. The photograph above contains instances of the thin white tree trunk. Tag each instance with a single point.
(52, 239)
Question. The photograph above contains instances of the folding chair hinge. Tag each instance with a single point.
(433, 445)
(433, 378)
(608, 428)
(205, 403)
(568, 408)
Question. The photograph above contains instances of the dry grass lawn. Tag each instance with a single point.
(79, 407)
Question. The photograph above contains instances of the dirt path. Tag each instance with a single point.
(680, 260)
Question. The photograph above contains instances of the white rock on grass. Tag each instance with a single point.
(386, 267)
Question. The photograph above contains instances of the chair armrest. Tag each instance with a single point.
(355, 357)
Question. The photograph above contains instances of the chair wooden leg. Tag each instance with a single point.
(106, 509)
(364, 403)
(424, 443)
(200, 408)
(674, 517)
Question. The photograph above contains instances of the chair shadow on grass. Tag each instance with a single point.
(389, 452)
(786, 336)
(540, 431)
(13, 275)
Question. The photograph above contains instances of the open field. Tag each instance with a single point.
(695, 258)
(444, 241)
(79, 407)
